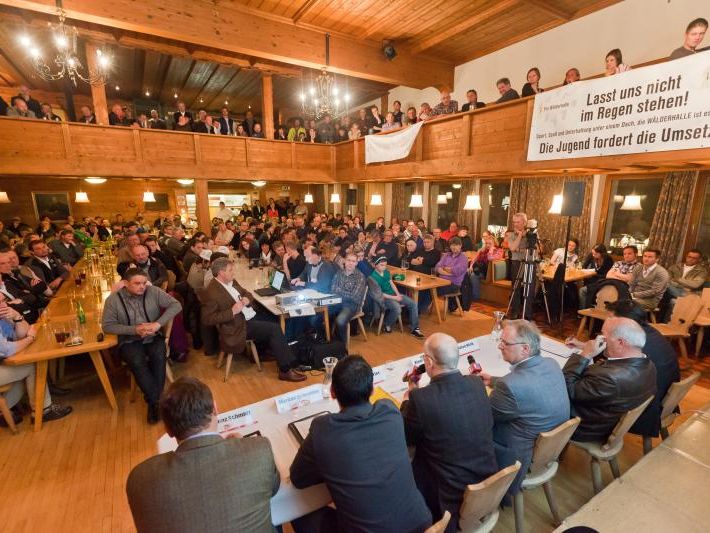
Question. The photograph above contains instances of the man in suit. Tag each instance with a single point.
(529, 400)
(47, 113)
(226, 124)
(649, 280)
(19, 109)
(32, 104)
(87, 115)
(48, 269)
(182, 112)
(155, 122)
(248, 123)
(507, 93)
(601, 393)
(209, 483)
(318, 274)
(361, 455)
(229, 307)
(18, 292)
(451, 425)
(66, 249)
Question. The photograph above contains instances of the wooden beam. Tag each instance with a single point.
(551, 9)
(419, 46)
(384, 104)
(305, 8)
(203, 204)
(10, 73)
(224, 27)
(267, 107)
(98, 92)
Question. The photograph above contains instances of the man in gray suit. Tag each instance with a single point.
(66, 248)
(531, 399)
(209, 483)
(649, 280)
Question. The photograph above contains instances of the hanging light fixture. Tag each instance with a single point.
(473, 202)
(186, 181)
(323, 96)
(449, 195)
(556, 207)
(456, 185)
(335, 198)
(441, 199)
(376, 199)
(68, 65)
(308, 199)
(148, 197)
(618, 198)
(4, 198)
(416, 201)
(632, 202)
(95, 181)
(258, 183)
(81, 197)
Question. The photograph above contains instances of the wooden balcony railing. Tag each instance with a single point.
(488, 142)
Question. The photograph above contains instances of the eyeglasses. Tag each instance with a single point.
(506, 343)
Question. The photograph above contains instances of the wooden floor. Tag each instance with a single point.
(71, 476)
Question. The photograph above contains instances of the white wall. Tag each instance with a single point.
(643, 29)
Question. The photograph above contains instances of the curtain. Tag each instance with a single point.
(533, 196)
(672, 218)
(469, 218)
(319, 205)
(400, 202)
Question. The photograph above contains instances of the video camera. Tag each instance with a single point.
(531, 234)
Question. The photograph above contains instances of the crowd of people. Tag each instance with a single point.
(330, 129)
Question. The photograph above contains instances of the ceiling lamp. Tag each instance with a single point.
(449, 195)
(632, 202)
(335, 198)
(308, 199)
(186, 181)
(258, 183)
(81, 198)
(95, 181)
(441, 199)
(416, 201)
(148, 197)
(473, 202)
(323, 96)
(618, 198)
(556, 207)
(3, 198)
(456, 185)
(68, 65)
(376, 199)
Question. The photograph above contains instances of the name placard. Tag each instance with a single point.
(378, 375)
(300, 398)
(235, 419)
(468, 347)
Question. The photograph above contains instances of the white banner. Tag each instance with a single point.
(652, 109)
(379, 148)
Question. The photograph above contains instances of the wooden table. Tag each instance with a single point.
(426, 283)
(571, 274)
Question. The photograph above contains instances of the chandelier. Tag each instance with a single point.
(323, 96)
(66, 61)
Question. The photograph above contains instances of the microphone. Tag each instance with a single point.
(474, 367)
(415, 374)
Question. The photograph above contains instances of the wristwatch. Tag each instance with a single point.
(18, 320)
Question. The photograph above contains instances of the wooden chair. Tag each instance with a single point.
(543, 467)
(167, 330)
(382, 321)
(357, 316)
(479, 509)
(440, 526)
(605, 295)
(685, 312)
(702, 321)
(5, 410)
(671, 400)
(457, 296)
(608, 451)
(251, 346)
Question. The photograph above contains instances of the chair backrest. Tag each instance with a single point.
(375, 292)
(167, 330)
(624, 424)
(607, 294)
(499, 269)
(686, 310)
(364, 297)
(440, 526)
(482, 499)
(676, 393)
(549, 445)
(705, 298)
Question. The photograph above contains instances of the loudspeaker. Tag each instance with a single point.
(573, 199)
(351, 197)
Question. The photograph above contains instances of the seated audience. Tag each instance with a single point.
(155, 122)
(450, 424)
(387, 247)
(350, 284)
(572, 254)
(530, 400)
(47, 113)
(425, 112)
(151, 267)
(623, 270)
(228, 306)
(49, 269)
(478, 267)
(136, 313)
(410, 117)
(615, 63)
(649, 280)
(317, 274)
(472, 101)
(599, 261)
(117, 116)
(192, 253)
(447, 106)
(182, 113)
(694, 34)
(452, 267)
(166, 492)
(389, 123)
(453, 231)
(15, 335)
(87, 115)
(354, 132)
(532, 87)
(571, 76)
(466, 240)
(688, 277)
(18, 108)
(361, 456)
(602, 392)
(294, 263)
(19, 292)
(393, 300)
(66, 249)
(506, 92)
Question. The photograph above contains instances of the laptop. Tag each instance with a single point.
(276, 284)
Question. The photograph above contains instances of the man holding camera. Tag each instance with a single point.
(518, 245)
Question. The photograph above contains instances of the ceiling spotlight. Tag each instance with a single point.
(25, 41)
(95, 181)
(147, 93)
(118, 88)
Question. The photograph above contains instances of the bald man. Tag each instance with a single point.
(451, 424)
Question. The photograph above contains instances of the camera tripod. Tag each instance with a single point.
(525, 280)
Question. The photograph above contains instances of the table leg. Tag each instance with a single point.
(436, 304)
(103, 377)
(415, 296)
(282, 320)
(326, 320)
(40, 385)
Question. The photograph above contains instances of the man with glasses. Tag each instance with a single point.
(529, 400)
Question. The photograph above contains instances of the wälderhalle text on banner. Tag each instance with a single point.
(390, 147)
(651, 109)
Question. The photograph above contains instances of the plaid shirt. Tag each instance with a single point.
(441, 109)
(350, 288)
(624, 268)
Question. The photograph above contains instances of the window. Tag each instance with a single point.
(632, 205)
(442, 214)
(495, 204)
(233, 202)
(703, 240)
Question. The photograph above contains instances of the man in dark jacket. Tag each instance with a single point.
(152, 267)
(451, 424)
(361, 456)
(318, 274)
(601, 393)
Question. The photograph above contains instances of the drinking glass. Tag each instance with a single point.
(328, 366)
(498, 326)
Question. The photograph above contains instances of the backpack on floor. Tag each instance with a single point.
(310, 350)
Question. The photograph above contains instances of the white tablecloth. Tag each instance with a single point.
(290, 503)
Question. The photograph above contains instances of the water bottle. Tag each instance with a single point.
(80, 313)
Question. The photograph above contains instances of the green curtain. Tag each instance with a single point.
(533, 196)
(672, 218)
